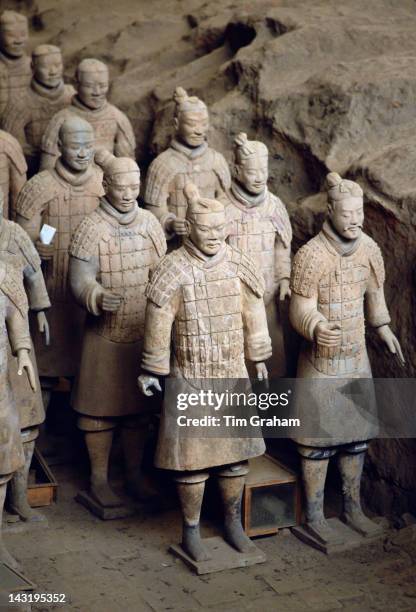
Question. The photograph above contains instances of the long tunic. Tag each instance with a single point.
(17, 249)
(15, 75)
(202, 314)
(116, 252)
(28, 118)
(344, 288)
(260, 227)
(14, 328)
(173, 169)
(60, 199)
(112, 131)
(12, 172)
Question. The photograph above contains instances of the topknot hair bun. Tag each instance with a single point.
(333, 179)
(103, 158)
(180, 95)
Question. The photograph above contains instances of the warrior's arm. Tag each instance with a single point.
(17, 329)
(281, 260)
(33, 225)
(4, 91)
(36, 289)
(162, 214)
(376, 310)
(14, 122)
(17, 180)
(256, 335)
(304, 315)
(83, 283)
(157, 336)
(125, 142)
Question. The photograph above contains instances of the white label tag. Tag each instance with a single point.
(47, 233)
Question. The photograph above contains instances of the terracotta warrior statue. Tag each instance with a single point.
(28, 117)
(188, 159)
(15, 70)
(204, 309)
(258, 225)
(12, 172)
(14, 329)
(112, 129)
(337, 288)
(112, 253)
(17, 249)
(61, 198)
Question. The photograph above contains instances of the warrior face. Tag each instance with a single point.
(208, 231)
(48, 70)
(14, 38)
(77, 149)
(93, 88)
(192, 127)
(252, 173)
(347, 216)
(122, 190)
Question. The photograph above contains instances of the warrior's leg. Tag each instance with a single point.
(191, 487)
(135, 432)
(231, 481)
(99, 439)
(351, 464)
(19, 482)
(314, 470)
(5, 556)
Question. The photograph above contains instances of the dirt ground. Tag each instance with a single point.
(124, 565)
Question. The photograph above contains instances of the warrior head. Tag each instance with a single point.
(251, 164)
(206, 221)
(76, 144)
(191, 118)
(14, 34)
(121, 180)
(345, 206)
(92, 83)
(47, 66)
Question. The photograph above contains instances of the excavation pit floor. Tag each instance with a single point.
(124, 565)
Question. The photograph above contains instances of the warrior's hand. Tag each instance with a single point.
(109, 301)
(261, 370)
(146, 382)
(46, 251)
(387, 336)
(43, 326)
(180, 227)
(283, 289)
(328, 334)
(24, 363)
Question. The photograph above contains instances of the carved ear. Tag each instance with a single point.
(187, 227)
(60, 145)
(176, 123)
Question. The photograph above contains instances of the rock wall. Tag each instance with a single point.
(327, 85)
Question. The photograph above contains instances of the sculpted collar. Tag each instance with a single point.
(189, 152)
(341, 246)
(121, 218)
(13, 62)
(248, 200)
(73, 178)
(46, 92)
(200, 258)
(79, 104)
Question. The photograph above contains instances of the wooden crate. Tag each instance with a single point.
(43, 491)
(271, 499)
